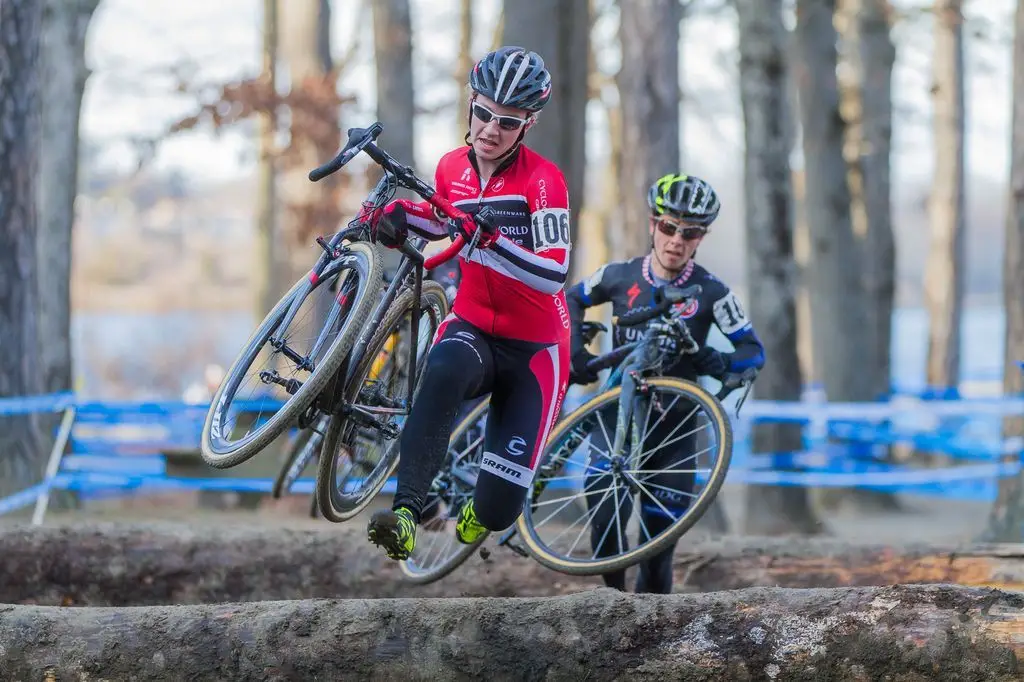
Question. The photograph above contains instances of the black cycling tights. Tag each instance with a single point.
(673, 487)
(527, 383)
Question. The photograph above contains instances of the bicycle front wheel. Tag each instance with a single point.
(290, 359)
(671, 468)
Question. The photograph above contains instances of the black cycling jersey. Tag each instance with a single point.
(630, 284)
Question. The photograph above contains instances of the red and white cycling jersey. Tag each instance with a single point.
(514, 288)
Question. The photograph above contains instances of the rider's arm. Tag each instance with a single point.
(590, 292)
(421, 217)
(544, 268)
(732, 320)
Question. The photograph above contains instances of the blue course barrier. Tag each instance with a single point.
(119, 446)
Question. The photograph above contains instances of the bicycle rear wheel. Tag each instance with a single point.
(577, 477)
(360, 449)
(300, 452)
(438, 552)
(356, 277)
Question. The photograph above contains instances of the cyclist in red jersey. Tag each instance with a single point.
(509, 331)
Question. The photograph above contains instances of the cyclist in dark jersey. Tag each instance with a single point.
(682, 211)
(508, 334)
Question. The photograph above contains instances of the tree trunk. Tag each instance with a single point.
(867, 104)
(309, 208)
(944, 273)
(648, 83)
(903, 632)
(62, 53)
(1006, 521)
(868, 56)
(770, 265)
(558, 30)
(152, 564)
(21, 454)
(824, 562)
(396, 98)
(396, 106)
(268, 287)
(463, 64)
(833, 272)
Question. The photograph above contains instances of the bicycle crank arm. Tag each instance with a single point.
(363, 418)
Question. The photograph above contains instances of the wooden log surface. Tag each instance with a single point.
(149, 564)
(933, 632)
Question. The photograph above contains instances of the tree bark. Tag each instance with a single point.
(648, 84)
(558, 30)
(268, 286)
(903, 632)
(867, 110)
(62, 54)
(833, 271)
(768, 203)
(153, 564)
(309, 208)
(1006, 520)
(21, 457)
(944, 272)
(463, 65)
(396, 101)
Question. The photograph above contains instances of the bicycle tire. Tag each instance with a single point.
(336, 505)
(462, 552)
(291, 468)
(539, 551)
(363, 259)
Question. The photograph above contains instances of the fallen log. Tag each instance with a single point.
(898, 633)
(830, 562)
(121, 565)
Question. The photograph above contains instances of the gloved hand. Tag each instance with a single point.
(579, 373)
(389, 227)
(468, 227)
(710, 362)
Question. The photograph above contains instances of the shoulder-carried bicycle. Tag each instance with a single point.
(326, 375)
(644, 458)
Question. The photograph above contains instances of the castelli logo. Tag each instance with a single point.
(689, 311)
(498, 184)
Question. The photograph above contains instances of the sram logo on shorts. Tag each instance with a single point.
(550, 229)
(503, 468)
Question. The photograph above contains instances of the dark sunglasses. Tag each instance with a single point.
(670, 229)
(504, 122)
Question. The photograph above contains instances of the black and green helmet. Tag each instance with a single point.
(685, 197)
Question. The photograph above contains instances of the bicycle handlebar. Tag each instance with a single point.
(362, 140)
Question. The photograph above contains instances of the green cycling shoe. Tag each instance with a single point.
(468, 530)
(394, 530)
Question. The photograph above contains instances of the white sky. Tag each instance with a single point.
(131, 43)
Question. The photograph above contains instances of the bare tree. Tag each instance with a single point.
(559, 32)
(463, 64)
(648, 84)
(20, 128)
(392, 40)
(944, 276)
(268, 285)
(1006, 521)
(770, 263)
(833, 276)
(310, 208)
(62, 55)
(867, 110)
